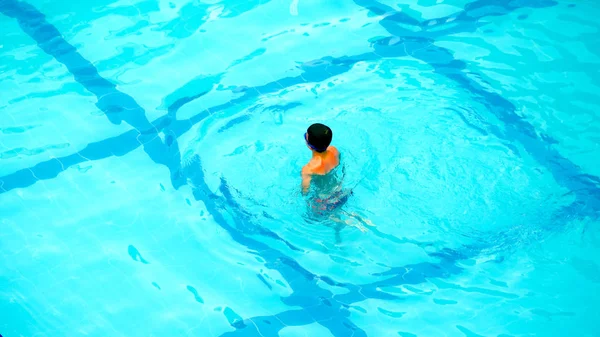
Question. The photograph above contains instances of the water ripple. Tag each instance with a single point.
(458, 178)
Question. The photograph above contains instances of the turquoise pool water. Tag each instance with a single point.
(150, 155)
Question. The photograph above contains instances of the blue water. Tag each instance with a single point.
(150, 154)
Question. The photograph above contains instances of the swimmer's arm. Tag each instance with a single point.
(306, 174)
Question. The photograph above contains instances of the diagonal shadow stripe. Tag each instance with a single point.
(166, 152)
(318, 304)
(469, 19)
(404, 42)
(116, 105)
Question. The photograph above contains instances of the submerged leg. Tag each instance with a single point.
(359, 218)
(349, 222)
(338, 236)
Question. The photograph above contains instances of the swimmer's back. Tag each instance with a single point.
(324, 163)
(320, 165)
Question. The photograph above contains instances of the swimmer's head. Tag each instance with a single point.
(318, 137)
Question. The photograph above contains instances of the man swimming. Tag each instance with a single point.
(324, 159)
(322, 172)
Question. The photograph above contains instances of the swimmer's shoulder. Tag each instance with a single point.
(335, 153)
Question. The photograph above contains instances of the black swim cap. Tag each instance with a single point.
(319, 136)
